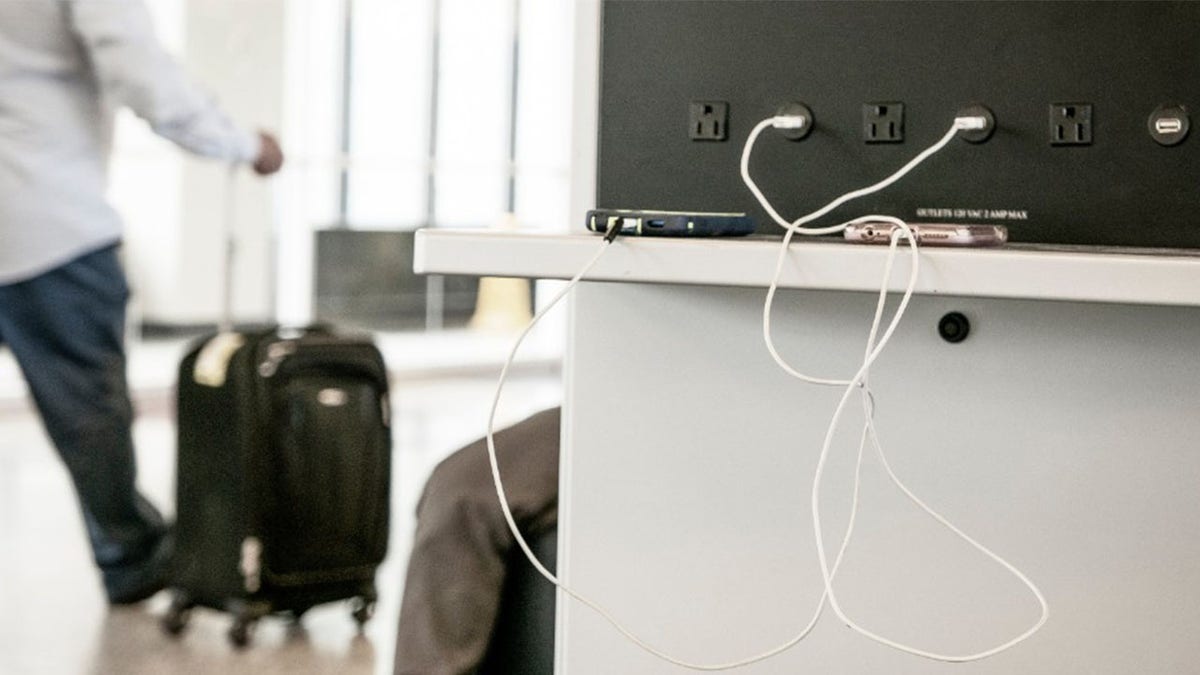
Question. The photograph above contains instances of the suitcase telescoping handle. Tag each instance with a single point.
(228, 234)
(229, 240)
(212, 361)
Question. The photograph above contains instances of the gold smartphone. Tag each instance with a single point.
(930, 234)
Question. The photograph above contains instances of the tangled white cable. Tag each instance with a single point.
(604, 613)
(858, 381)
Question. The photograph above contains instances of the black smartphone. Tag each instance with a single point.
(670, 223)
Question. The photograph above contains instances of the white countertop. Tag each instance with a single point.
(1130, 276)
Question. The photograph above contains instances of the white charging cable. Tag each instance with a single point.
(860, 380)
(797, 226)
(599, 609)
(873, 350)
(960, 124)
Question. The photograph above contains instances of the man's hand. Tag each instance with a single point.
(270, 155)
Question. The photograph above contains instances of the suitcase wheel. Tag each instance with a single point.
(298, 613)
(239, 632)
(176, 618)
(364, 609)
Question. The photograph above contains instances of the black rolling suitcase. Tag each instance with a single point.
(283, 477)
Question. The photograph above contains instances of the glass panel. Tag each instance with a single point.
(470, 196)
(544, 114)
(544, 199)
(389, 113)
(307, 191)
(475, 93)
(386, 198)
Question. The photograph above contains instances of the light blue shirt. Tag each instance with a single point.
(65, 67)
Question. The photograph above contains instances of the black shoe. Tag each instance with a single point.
(137, 582)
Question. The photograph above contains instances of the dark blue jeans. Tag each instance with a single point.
(66, 329)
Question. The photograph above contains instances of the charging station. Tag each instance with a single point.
(1093, 105)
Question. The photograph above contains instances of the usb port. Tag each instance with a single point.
(1168, 125)
(655, 223)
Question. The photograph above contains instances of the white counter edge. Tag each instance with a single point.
(1130, 278)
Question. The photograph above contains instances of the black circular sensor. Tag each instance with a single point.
(954, 327)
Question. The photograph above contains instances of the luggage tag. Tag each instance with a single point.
(212, 363)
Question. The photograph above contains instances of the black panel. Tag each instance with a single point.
(1125, 59)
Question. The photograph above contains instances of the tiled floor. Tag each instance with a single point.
(54, 619)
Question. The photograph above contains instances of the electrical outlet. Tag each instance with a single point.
(883, 122)
(1070, 124)
(708, 120)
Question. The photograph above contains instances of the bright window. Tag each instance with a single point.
(401, 116)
